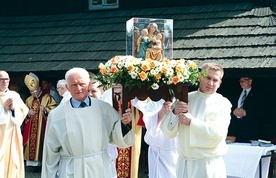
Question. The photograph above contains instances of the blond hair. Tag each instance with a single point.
(213, 66)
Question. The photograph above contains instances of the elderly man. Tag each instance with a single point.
(201, 127)
(79, 130)
(62, 90)
(247, 116)
(12, 113)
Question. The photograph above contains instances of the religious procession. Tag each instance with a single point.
(146, 112)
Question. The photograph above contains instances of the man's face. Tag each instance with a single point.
(36, 92)
(61, 90)
(78, 87)
(45, 84)
(245, 82)
(4, 81)
(211, 82)
(95, 92)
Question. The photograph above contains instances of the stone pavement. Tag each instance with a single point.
(32, 175)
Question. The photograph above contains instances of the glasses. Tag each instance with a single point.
(244, 80)
(60, 88)
(4, 79)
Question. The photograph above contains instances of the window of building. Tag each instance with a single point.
(103, 4)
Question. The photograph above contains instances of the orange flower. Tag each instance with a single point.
(143, 76)
(102, 68)
(165, 60)
(164, 70)
(107, 72)
(115, 60)
(178, 69)
(145, 66)
(151, 63)
(158, 77)
(113, 69)
(175, 79)
(130, 68)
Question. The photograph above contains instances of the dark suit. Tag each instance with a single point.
(247, 128)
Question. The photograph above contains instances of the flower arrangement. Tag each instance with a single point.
(136, 72)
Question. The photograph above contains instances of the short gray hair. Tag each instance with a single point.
(77, 70)
(61, 83)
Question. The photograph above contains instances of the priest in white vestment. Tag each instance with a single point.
(76, 139)
(12, 113)
(201, 125)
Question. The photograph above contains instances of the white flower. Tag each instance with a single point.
(133, 75)
(120, 65)
(170, 72)
(172, 63)
(155, 86)
(153, 72)
(181, 78)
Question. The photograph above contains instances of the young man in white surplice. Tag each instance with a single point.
(162, 153)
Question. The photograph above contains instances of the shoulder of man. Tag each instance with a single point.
(222, 100)
(100, 102)
(14, 93)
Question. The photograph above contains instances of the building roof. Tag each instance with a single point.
(235, 35)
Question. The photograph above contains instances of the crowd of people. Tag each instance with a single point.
(69, 130)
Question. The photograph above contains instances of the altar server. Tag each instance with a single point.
(201, 127)
(162, 153)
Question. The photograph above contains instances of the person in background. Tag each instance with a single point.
(39, 104)
(12, 113)
(201, 127)
(162, 153)
(246, 116)
(17, 88)
(96, 91)
(79, 130)
(62, 90)
(49, 88)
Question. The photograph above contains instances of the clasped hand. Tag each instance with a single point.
(8, 104)
(181, 107)
(184, 118)
(34, 111)
(239, 112)
(126, 117)
(182, 110)
(166, 107)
